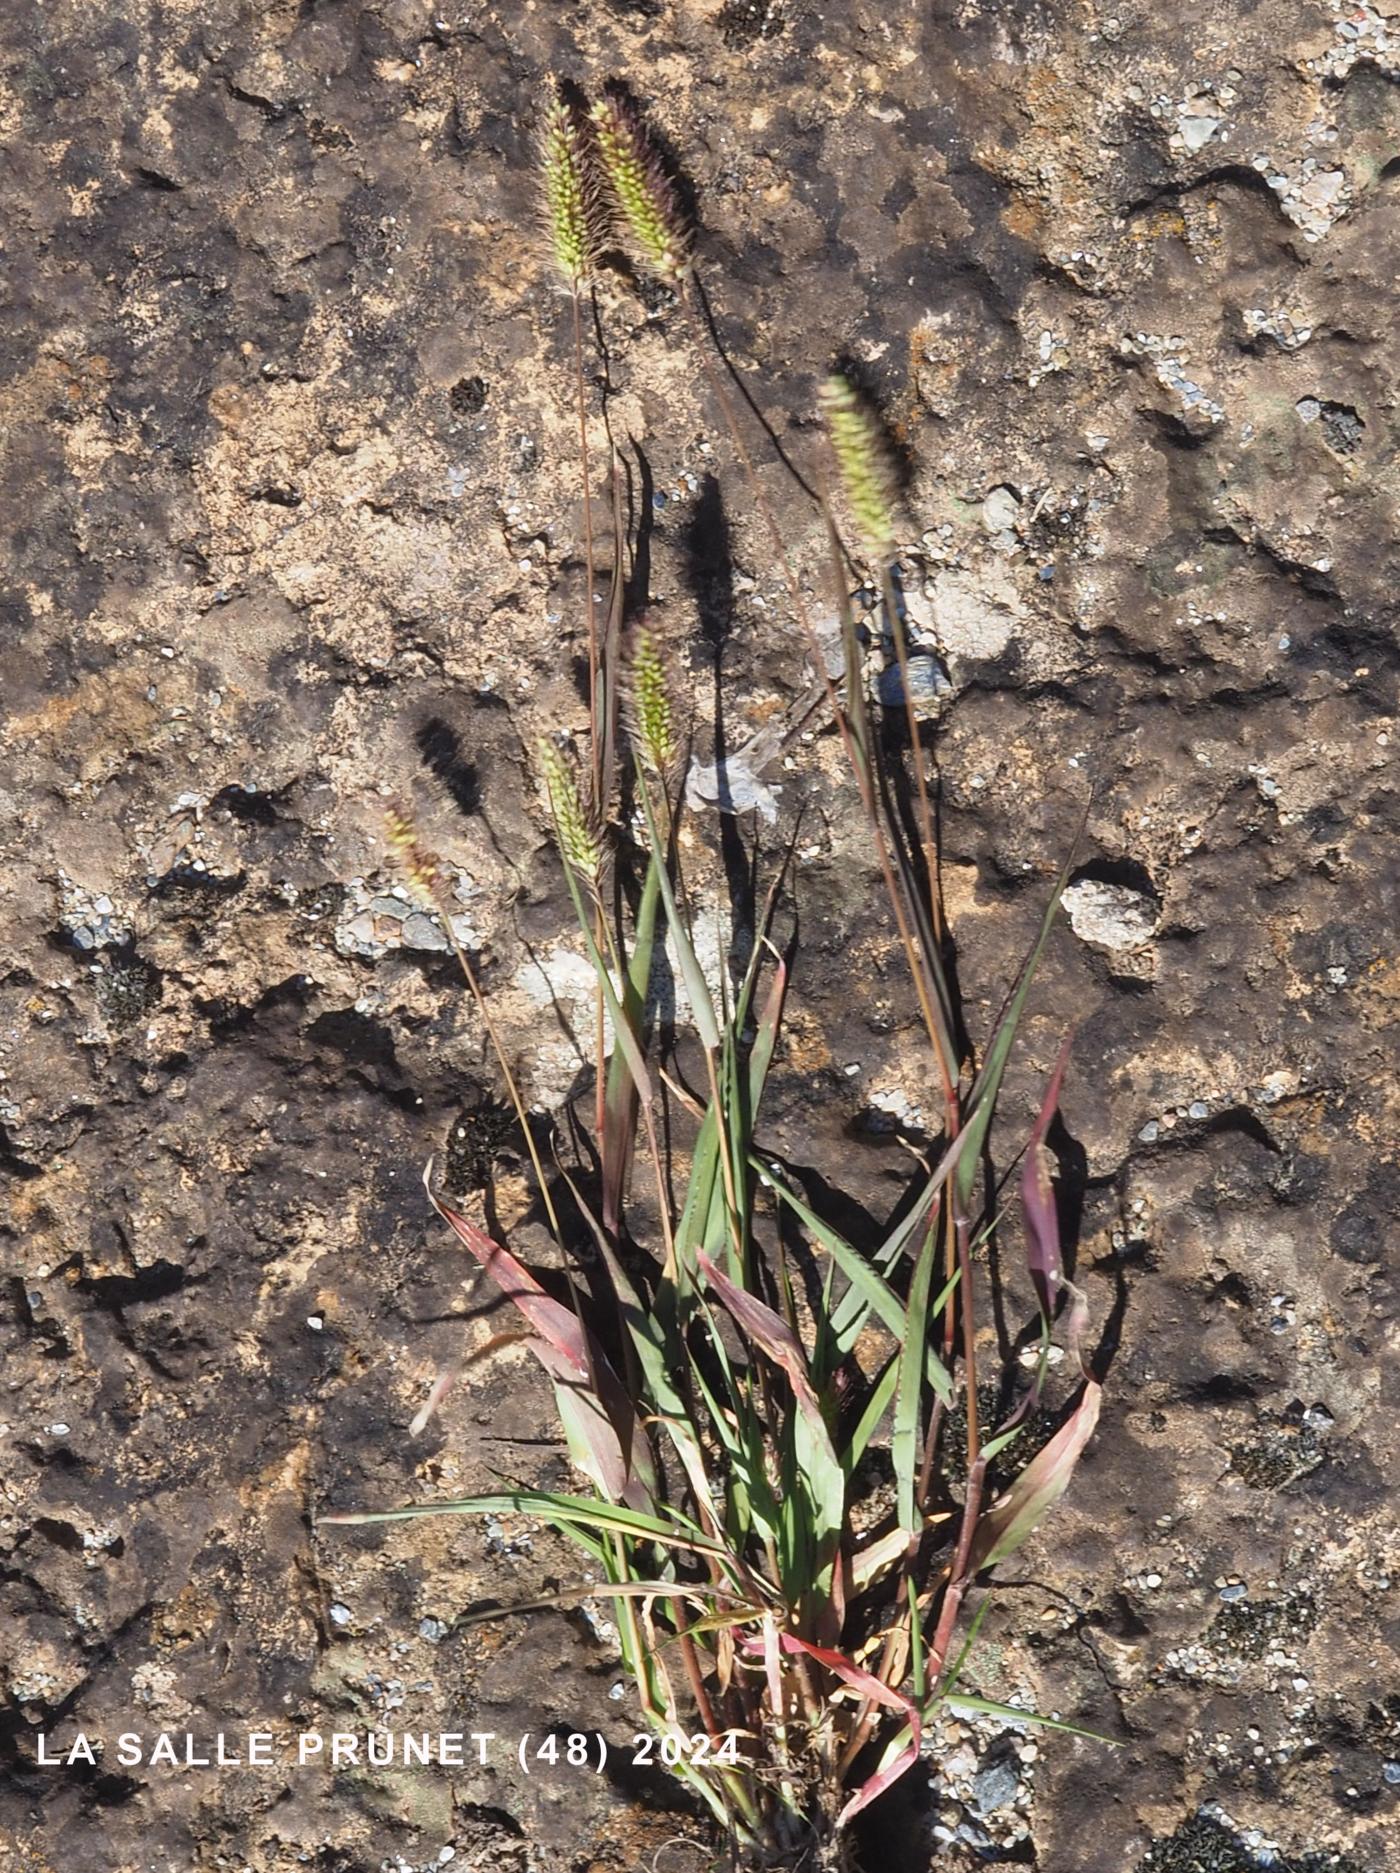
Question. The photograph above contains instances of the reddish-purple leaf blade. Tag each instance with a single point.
(771, 1333)
(1005, 1525)
(1038, 1199)
(551, 1320)
(604, 1431)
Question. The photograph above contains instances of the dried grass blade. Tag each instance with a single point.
(878, 1692)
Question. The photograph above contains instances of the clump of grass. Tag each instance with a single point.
(721, 1401)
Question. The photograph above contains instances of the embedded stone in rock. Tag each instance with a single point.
(928, 683)
(976, 617)
(995, 1786)
(1110, 915)
(1198, 122)
(1001, 509)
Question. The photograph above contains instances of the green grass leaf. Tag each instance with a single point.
(962, 1701)
(542, 1506)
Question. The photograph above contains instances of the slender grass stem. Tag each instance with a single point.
(969, 1326)
(957, 1576)
(590, 598)
(895, 618)
(937, 1035)
(512, 1089)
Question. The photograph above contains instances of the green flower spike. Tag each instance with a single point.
(578, 840)
(569, 191)
(640, 188)
(863, 462)
(650, 705)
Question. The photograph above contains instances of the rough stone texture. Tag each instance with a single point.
(292, 525)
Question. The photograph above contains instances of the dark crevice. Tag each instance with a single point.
(1232, 175)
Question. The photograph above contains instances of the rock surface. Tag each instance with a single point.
(292, 528)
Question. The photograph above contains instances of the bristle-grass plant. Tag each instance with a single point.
(788, 1658)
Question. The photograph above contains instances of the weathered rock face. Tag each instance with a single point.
(293, 526)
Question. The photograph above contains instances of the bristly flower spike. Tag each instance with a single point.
(420, 866)
(570, 193)
(863, 461)
(640, 188)
(651, 708)
(578, 839)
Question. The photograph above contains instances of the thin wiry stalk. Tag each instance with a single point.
(894, 613)
(424, 870)
(928, 996)
(572, 212)
(589, 562)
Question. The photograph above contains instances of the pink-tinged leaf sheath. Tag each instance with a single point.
(604, 1432)
(878, 1692)
(1038, 1199)
(1006, 1524)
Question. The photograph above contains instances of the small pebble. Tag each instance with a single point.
(340, 1614)
(994, 1787)
(1198, 1109)
(316, 1322)
(432, 1629)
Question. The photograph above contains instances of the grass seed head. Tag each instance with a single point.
(570, 192)
(421, 867)
(639, 187)
(652, 716)
(573, 824)
(863, 462)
